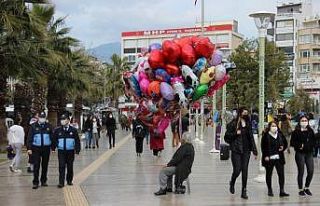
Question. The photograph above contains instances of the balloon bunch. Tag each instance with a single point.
(170, 76)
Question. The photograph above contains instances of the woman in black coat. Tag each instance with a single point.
(240, 137)
(303, 142)
(111, 128)
(273, 145)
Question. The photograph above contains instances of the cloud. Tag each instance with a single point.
(101, 21)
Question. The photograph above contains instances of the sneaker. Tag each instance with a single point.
(283, 194)
(302, 193)
(93, 147)
(307, 191)
(35, 187)
(231, 188)
(17, 171)
(86, 147)
(29, 170)
(160, 192)
(60, 185)
(70, 183)
(11, 168)
(44, 184)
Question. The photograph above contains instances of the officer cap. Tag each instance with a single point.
(42, 115)
(64, 116)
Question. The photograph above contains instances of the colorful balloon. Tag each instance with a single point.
(183, 41)
(189, 92)
(163, 124)
(217, 85)
(171, 51)
(220, 72)
(134, 84)
(189, 76)
(173, 70)
(199, 66)
(154, 89)
(166, 91)
(156, 59)
(188, 55)
(154, 46)
(207, 75)
(144, 85)
(203, 47)
(162, 75)
(179, 94)
(216, 58)
(200, 91)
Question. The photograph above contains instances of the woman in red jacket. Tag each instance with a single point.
(156, 141)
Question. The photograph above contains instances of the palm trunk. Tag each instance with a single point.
(3, 128)
(22, 102)
(78, 108)
(53, 106)
(39, 98)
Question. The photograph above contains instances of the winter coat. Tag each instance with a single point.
(182, 160)
(111, 124)
(307, 138)
(156, 140)
(236, 141)
(269, 144)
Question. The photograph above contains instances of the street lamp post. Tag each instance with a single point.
(262, 21)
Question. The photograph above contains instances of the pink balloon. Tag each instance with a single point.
(144, 85)
(142, 75)
(217, 85)
(163, 124)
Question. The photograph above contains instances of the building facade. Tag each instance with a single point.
(224, 35)
(308, 57)
(288, 20)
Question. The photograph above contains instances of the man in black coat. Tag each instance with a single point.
(180, 165)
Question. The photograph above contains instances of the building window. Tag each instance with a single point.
(316, 67)
(131, 58)
(129, 50)
(129, 43)
(284, 37)
(304, 68)
(222, 38)
(305, 39)
(304, 53)
(284, 23)
(287, 50)
(316, 38)
(316, 52)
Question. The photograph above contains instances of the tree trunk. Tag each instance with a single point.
(53, 106)
(78, 109)
(22, 103)
(3, 128)
(39, 98)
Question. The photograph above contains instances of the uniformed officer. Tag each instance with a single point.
(66, 139)
(39, 143)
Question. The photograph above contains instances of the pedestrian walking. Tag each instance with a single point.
(156, 141)
(88, 131)
(273, 145)
(303, 141)
(16, 140)
(95, 132)
(286, 128)
(138, 132)
(240, 137)
(66, 140)
(111, 129)
(39, 144)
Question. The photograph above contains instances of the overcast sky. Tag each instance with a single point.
(96, 22)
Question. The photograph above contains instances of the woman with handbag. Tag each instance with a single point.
(273, 144)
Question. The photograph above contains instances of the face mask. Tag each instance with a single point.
(94, 120)
(274, 130)
(245, 117)
(110, 116)
(234, 114)
(64, 122)
(42, 120)
(303, 124)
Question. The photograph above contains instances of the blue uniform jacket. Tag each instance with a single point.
(66, 140)
(40, 135)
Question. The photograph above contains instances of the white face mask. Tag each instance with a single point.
(64, 122)
(110, 116)
(42, 120)
(303, 124)
(94, 120)
(273, 129)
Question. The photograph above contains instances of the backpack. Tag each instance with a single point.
(139, 131)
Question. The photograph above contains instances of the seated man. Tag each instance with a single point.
(180, 166)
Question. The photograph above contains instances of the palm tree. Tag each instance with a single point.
(115, 87)
(18, 47)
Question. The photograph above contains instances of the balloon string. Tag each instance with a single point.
(180, 125)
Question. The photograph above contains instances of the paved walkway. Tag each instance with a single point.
(117, 177)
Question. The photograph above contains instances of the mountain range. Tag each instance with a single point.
(104, 52)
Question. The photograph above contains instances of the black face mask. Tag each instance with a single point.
(246, 117)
